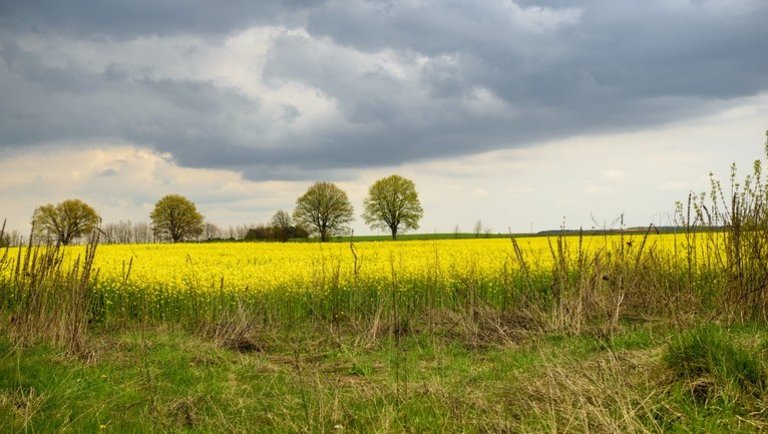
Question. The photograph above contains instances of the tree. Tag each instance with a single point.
(211, 232)
(65, 222)
(5, 240)
(281, 222)
(237, 232)
(259, 233)
(393, 204)
(478, 229)
(119, 233)
(299, 232)
(176, 218)
(142, 233)
(324, 209)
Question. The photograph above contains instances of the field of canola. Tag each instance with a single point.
(190, 281)
(260, 267)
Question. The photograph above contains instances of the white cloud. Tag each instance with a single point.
(123, 182)
(518, 191)
(542, 19)
(596, 189)
(679, 186)
(613, 174)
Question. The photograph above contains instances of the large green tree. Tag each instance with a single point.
(393, 204)
(176, 218)
(324, 209)
(64, 222)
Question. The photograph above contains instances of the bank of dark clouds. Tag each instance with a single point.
(558, 68)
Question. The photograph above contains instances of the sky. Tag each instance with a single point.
(527, 115)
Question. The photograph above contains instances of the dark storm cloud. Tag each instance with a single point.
(478, 76)
(132, 18)
(190, 118)
(614, 49)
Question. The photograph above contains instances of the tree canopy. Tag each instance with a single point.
(393, 204)
(324, 209)
(64, 222)
(176, 218)
(281, 222)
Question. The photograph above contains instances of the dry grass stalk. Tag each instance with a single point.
(605, 396)
(48, 298)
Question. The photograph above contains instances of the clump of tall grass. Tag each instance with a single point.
(712, 366)
(726, 238)
(609, 394)
(238, 330)
(710, 374)
(45, 297)
(593, 289)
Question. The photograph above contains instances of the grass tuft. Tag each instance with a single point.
(710, 364)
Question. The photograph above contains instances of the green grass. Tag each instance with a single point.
(710, 353)
(166, 380)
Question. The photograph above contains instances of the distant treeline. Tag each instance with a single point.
(127, 232)
(635, 229)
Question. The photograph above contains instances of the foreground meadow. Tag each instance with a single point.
(609, 333)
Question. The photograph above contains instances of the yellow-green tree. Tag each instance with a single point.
(64, 222)
(393, 204)
(176, 218)
(324, 209)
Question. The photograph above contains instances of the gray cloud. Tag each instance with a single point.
(468, 77)
(290, 113)
(189, 118)
(132, 18)
(614, 49)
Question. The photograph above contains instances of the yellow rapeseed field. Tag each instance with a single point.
(259, 267)
(304, 266)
